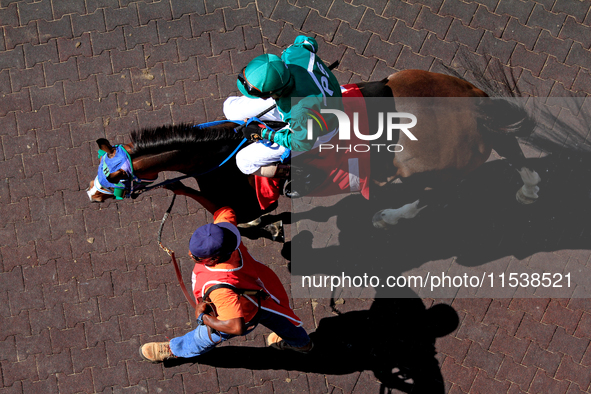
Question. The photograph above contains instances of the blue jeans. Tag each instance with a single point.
(197, 342)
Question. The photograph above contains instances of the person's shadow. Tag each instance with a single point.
(394, 339)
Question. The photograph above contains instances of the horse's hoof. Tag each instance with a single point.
(252, 223)
(523, 199)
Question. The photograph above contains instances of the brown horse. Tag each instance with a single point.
(457, 129)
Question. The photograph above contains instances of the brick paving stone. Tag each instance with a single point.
(221, 42)
(88, 23)
(550, 21)
(352, 38)
(489, 21)
(135, 36)
(252, 37)
(168, 30)
(245, 16)
(206, 23)
(541, 358)
(152, 11)
(180, 8)
(19, 371)
(516, 373)
(568, 344)
(584, 327)
(407, 36)
(111, 40)
(458, 374)
(48, 385)
(484, 384)
(321, 7)
(577, 11)
(32, 11)
(518, 32)
(459, 10)
(140, 370)
(199, 46)
(79, 46)
(439, 49)
(539, 332)
(95, 65)
(67, 7)
(429, 21)
(516, 8)
(113, 376)
(21, 35)
(54, 363)
(119, 17)
(346, 12)
(561, 316)
(575, 31)
(9, 15)
(61, 115)
(403, 11)
(75, 382)
(376, 24)
(481, 358)
(495, 47)
(271, 29)
(382, 50)
(24, 144)
(27, 77)
(583, 81)
(543, 383)
(93, 5)
(221, 64)
(12, 59)
(320, 25)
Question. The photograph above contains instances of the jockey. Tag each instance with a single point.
(301, 85)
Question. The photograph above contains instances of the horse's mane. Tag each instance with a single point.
(181, 137)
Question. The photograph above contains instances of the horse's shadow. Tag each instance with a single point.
(477, 222)
(394, 339)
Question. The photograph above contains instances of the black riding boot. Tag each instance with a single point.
(303, 180)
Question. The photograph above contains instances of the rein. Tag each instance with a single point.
(177, 270)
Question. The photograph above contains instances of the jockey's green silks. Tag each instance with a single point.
(315, 83)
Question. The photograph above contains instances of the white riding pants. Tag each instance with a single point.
(261, 153)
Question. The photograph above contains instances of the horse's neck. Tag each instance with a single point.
(188, 161)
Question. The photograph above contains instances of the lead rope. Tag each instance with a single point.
(179, 276)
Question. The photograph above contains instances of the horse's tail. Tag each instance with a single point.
(504, 110)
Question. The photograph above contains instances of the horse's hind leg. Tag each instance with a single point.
(508, 147)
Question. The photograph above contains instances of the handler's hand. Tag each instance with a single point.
(201, 307)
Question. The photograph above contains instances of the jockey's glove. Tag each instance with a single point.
(256, 130)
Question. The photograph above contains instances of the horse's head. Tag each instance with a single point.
(102, 188)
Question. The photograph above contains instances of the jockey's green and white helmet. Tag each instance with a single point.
(263, 76)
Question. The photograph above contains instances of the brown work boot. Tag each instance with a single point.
(276, 342)
(156, 351)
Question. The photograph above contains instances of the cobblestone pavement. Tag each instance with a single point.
(83, 285)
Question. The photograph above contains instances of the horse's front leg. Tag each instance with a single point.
(529, 191)
(391, 217)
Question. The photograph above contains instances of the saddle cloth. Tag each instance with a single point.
(348, 170)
